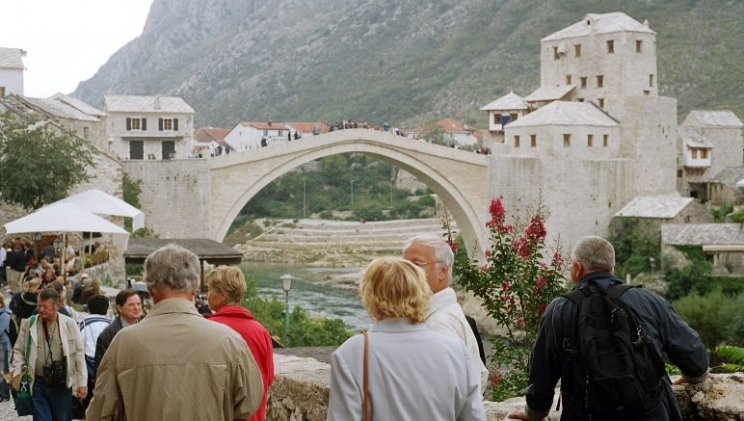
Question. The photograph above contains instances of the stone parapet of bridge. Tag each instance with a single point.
(301, 390)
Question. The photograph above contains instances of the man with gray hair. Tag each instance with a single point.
(435, 257)
(592, 266)
(175, 364)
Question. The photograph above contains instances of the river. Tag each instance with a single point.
(307, 292)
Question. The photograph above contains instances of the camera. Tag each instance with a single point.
(56, 372)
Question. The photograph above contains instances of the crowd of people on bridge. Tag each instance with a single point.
(196, 357)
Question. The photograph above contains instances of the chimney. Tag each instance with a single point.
(157, 102)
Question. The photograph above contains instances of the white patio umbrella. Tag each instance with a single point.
(63, 217)
(101, 203)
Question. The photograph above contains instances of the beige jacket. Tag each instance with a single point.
(72, 348)
(176, 365)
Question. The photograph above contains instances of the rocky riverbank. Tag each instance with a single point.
(345, 248)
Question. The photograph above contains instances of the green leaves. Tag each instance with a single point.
(40, 162)
(516, 284)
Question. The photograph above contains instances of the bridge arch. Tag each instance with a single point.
(459, 178)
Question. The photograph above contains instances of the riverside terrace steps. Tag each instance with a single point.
(310, 240)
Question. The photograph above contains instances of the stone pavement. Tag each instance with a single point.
(7, 412)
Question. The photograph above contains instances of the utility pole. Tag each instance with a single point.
(352, 194)
(304, 198)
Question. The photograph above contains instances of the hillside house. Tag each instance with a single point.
(149, 127)
(210, 141)
(723, 245)
(710, 142)
(672, 209)
(458, 134)
(507, 109)
(11, 71)
(249, 135)
(72, 114)
(304, 129)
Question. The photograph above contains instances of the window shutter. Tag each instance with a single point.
(144, 124)
(175, 124)
(129, 123)
(160, 124)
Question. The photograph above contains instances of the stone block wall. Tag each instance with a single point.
(175, 196)
(301, 390)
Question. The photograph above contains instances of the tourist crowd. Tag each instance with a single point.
(195, 357)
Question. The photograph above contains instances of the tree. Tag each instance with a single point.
(40, 164)
(516, 282)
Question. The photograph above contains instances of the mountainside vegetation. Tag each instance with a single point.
(400, 61)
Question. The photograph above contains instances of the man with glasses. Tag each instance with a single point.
(56, 360)
(432, 254)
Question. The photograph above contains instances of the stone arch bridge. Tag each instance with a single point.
(459, 178)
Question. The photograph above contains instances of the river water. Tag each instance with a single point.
(307, 292)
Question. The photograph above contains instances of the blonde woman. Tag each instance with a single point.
(414, 373)
(226, 291)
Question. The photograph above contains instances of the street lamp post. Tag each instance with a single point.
(304, 197)
(286, 286)
(352, 194)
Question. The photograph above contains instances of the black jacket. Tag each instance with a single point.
(670, 335)
(105, 338)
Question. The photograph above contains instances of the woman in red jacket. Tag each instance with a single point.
(226, 290)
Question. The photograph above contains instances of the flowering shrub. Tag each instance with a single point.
(516, 283)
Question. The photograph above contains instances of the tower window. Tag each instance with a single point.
(516, 141)
(610, 46)
(601, 102)
(651, 80)
(566, 139)
(639, 46)
(568, 79)
(577, 50)
(556, 54)
(590, 140)
(583, 81)
(533, 140)
(605, 140)
(600, 81)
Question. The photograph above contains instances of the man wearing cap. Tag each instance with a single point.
(176, 365)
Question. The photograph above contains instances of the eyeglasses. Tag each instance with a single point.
(424, 264)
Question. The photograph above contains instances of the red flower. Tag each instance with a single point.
(536, 229)
(505, 286)
(495, 379)
(496, 209)
(540, 282)
(520, 322)
(488, 254)
(453, 245)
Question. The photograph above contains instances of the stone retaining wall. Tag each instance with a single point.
(301, 389)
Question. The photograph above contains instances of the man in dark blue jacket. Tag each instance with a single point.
(593, 258)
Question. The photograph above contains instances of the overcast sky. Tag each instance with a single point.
(67, 41)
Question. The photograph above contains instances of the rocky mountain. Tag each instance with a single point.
(397, 60)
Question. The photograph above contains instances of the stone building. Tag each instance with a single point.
(11, 71)
(710, 150)
(723, 245)
(149, 127)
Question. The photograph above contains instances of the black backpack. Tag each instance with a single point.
(612, 366)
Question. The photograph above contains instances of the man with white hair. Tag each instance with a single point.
(432, 254)
(174, 364)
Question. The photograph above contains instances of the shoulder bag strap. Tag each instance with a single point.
(365, 404)
(28, 338)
